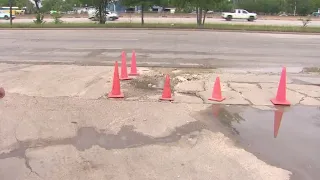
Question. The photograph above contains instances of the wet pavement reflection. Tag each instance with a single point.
(288, 138)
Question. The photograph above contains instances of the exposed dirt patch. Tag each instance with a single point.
(150, 85)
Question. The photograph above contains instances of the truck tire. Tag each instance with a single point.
(229, 18)
(6, 17)
(251, 18)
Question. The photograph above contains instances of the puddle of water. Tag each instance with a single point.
(286, 138)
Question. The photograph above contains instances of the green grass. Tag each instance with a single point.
(237, 27)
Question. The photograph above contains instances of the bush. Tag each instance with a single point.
(305, 21)
(39, 19)
(56, 17)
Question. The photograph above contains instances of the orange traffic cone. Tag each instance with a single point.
(116, 92)
(166, 94)
(133, 71)
(277, 122)
(281, 94)
(216, 94)
(124, 74)
(2, 93)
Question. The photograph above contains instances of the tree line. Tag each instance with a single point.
(272, 7)
(298, 7)
(201, 7)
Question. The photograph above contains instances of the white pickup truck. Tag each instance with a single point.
(239, 14)
(111, 16)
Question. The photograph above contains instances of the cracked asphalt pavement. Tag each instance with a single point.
(57, 123)
(80, 139)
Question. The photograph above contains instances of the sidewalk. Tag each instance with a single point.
(189, 85)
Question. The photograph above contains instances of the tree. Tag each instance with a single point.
(262, 6)
(201, 7)
(58, 5)
(144, 4)
(301, 7)
(223, 6)
(4, 2)
(21, 3)
(87, 2)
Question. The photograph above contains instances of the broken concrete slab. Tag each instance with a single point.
(247, 78)
(253, 93)
(232, 97)
(261, 70)
(53, 80)
(310, 101)
(185, 98)
(190, 86)
(95, 82)
(309, 90)
(309, 80)
(292, 96)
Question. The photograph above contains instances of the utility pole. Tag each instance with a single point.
(10, 3)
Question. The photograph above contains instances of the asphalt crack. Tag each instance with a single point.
(21, 153)
(302, 99)
(193, 94)
(232, 89)
(127, 137)
(259, 86)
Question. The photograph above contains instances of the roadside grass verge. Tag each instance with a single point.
(236, 27)
(312, 70)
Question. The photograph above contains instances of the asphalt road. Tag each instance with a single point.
(160, 48)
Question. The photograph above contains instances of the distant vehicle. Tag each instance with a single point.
(53, 11)
(316, 14)
(239, 14)
(6, 16)
(283, 14)
(7, 10)
(110, 16)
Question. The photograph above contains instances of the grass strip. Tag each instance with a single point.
(236, 27)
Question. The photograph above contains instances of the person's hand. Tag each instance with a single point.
(2, 93)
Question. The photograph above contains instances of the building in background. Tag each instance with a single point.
(118, 7)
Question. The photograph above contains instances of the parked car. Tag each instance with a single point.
(110, 16)
(239, 14)
(6, 16)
